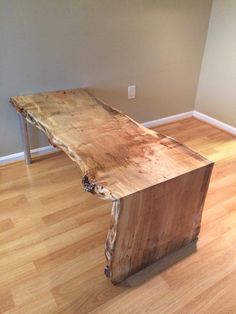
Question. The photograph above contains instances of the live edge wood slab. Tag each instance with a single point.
(156, 184)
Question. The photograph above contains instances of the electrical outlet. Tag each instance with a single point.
(131, 92)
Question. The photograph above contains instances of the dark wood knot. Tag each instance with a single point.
(107, 271)
(88, 186)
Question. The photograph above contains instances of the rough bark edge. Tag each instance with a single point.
(88, 184)
(112, 236)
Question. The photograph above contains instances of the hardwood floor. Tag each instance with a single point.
(52, 238)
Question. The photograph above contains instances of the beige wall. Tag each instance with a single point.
(217, 85)
(105, 45)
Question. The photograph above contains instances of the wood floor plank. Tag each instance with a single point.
(6, 302)
(210, 301)
(92, 285)
(43, 303)
(71, 251)
(31, 252)
(6, 224)
(80, 210)
(53, 276)
(17, 276)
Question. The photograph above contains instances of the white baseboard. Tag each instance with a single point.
(34, 152)
(217, 123)
(149, 124)
(169, 119)
(196, 114)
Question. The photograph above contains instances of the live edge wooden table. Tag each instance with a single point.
(157, 185)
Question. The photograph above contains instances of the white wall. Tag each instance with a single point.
(105, 45)
(217, 85)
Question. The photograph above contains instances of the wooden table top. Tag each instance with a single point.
(117, 155)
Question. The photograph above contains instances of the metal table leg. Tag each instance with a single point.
(25, 139)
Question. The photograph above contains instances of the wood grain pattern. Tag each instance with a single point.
(152, 223)
(134, 167)
(117, 156)
(41, 272)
